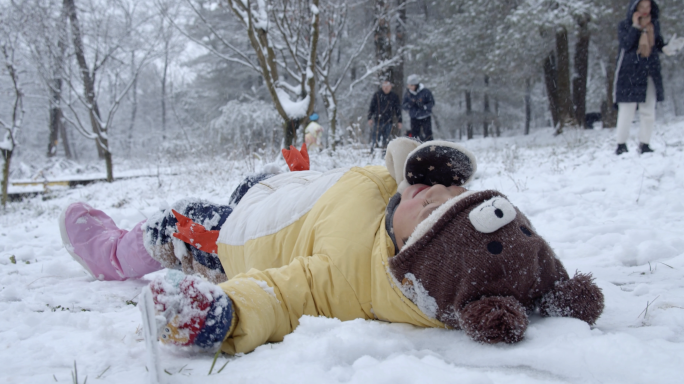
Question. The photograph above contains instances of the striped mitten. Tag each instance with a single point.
(197, 312)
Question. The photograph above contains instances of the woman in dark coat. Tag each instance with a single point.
(637, 77)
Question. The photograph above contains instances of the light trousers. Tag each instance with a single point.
(646, 116)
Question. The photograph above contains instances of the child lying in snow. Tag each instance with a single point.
(403, 243)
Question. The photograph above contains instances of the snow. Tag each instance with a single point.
(293, 109)
(620, 218)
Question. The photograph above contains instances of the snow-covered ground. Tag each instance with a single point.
(621, 218)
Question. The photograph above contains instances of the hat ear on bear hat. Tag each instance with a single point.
(480, 266)
(433, 162)
(578, 297)
(497, 319)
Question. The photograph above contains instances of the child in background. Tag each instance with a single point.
(402, 243)
(314, 134)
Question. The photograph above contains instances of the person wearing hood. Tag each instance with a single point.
(418, 101)
(637, 76)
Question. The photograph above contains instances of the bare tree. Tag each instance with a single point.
(283, 35)
(45, 34)
(333, 21)
(400, 43)
(9, 41)
(581, 64)
(105, 51)
(383, 37)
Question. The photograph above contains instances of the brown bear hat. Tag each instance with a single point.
(477, 264)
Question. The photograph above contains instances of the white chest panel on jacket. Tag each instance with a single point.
(275, 203)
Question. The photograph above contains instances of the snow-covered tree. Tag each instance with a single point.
(10, 53)
(103, 60)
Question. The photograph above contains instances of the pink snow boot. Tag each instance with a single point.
(104, 250)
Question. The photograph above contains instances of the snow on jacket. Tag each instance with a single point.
(384, 106)
(419, 103)
(632, 70)
(311, 243)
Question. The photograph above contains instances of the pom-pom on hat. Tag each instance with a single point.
(313, 117)
(477, 264)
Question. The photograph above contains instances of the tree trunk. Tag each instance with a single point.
(65, 140)
(55, 116)
(566, 115)
(528, 105)
(290, 132)
(609, 114)
(108, 165)
(56, 120)
(330, 103)
(552, 87)
(400, 41)
(485, 120)
(7, 156)
(163, 90)
(88, 86)
(469, 110)
(497, 122)
(134, 104)
(383, 46)
(333, 127)
(579, 81)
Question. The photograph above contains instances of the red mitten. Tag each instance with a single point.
(297, 160)
(195, 234)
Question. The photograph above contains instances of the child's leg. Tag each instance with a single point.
(105, 251)
(133, 258)
(174, 253)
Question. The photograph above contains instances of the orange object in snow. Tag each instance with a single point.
(297, 160)
(195, 234)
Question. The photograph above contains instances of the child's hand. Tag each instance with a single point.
(196, 311)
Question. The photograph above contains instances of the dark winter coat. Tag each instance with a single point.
(419, 104)
(632, 71)
(383, 107)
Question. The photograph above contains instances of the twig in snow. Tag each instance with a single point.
(103, 372)
(648, 304)
(667, 265)
(642, 184)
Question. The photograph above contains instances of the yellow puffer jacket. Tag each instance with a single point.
(311, 243)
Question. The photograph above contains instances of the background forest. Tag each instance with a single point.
(92, 83)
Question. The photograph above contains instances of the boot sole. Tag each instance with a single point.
(68, 246)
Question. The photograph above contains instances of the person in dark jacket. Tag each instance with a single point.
(637, 75)
(383, 107)
(418, 101)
